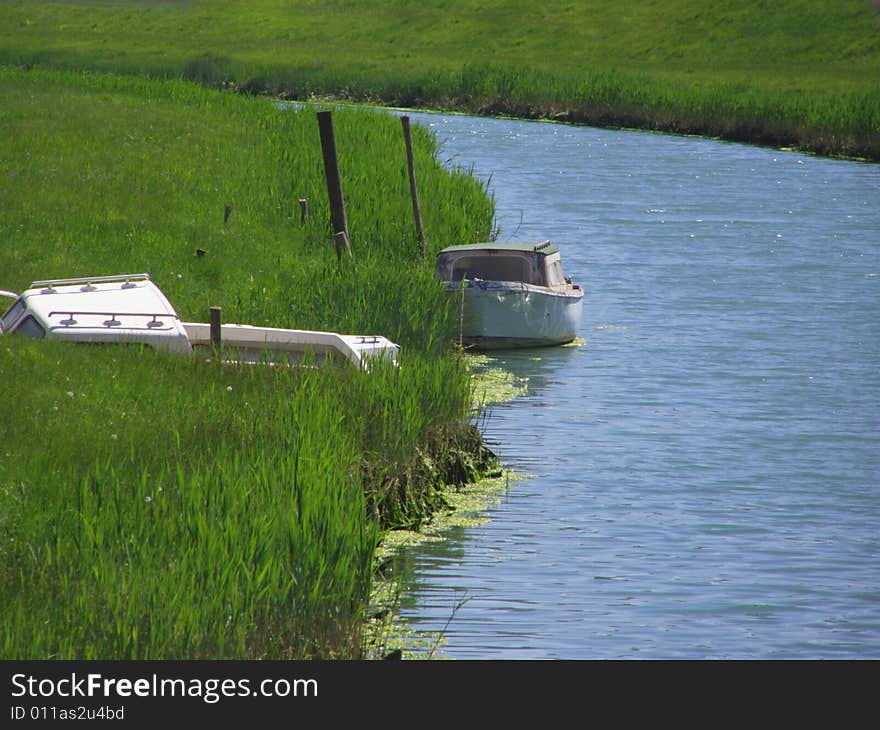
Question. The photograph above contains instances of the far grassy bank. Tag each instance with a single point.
(784, 73)
(154, 506)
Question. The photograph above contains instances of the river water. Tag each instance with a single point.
(705, 466)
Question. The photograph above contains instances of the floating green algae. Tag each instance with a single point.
(493, 384)
(388, 634)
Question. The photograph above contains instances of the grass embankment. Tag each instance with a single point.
(153, 506)
(786, 73)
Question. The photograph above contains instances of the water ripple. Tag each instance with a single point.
(705, 466)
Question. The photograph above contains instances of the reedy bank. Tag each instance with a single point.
(784, 73)
(160, 507)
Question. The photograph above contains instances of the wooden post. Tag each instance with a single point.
(227, 209)
(331, 172)
(303, 210)
(414, 193)
(216, 338)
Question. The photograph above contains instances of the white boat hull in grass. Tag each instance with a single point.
(248, 343)
(131, 309)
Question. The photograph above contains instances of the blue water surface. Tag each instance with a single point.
(704, 465)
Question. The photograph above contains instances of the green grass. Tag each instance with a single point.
(150, 511)
(154, 506)
(787, 72)
(110, 174)
(157, 507)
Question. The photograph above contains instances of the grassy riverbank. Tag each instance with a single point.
(157, 507)
(784, 73)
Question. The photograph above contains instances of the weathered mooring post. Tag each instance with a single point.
(334, 185)
(414, 193)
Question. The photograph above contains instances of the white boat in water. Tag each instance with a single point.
(511, 294)
(132, 309)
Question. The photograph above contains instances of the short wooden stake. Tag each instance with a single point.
(216, 337)
(303, 210)
(226, 211)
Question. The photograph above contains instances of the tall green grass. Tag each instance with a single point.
(154, 506)
(783, 72)
(169, 510)
(109, 174)
(831, 120)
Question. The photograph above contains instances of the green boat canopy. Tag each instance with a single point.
(545, 247)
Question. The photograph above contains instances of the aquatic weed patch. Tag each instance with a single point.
(492, 384)
(468, 506)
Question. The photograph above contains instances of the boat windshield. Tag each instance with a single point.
(29, 327)
(12, 315)
(497, 267)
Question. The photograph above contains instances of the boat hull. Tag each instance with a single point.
(495, 315)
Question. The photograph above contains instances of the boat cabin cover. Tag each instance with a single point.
(98, 309)
(529, 263)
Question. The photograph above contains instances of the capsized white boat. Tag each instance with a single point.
(511, 294)
(132, 309)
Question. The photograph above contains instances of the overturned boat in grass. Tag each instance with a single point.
(132, 309)
(511, 295)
